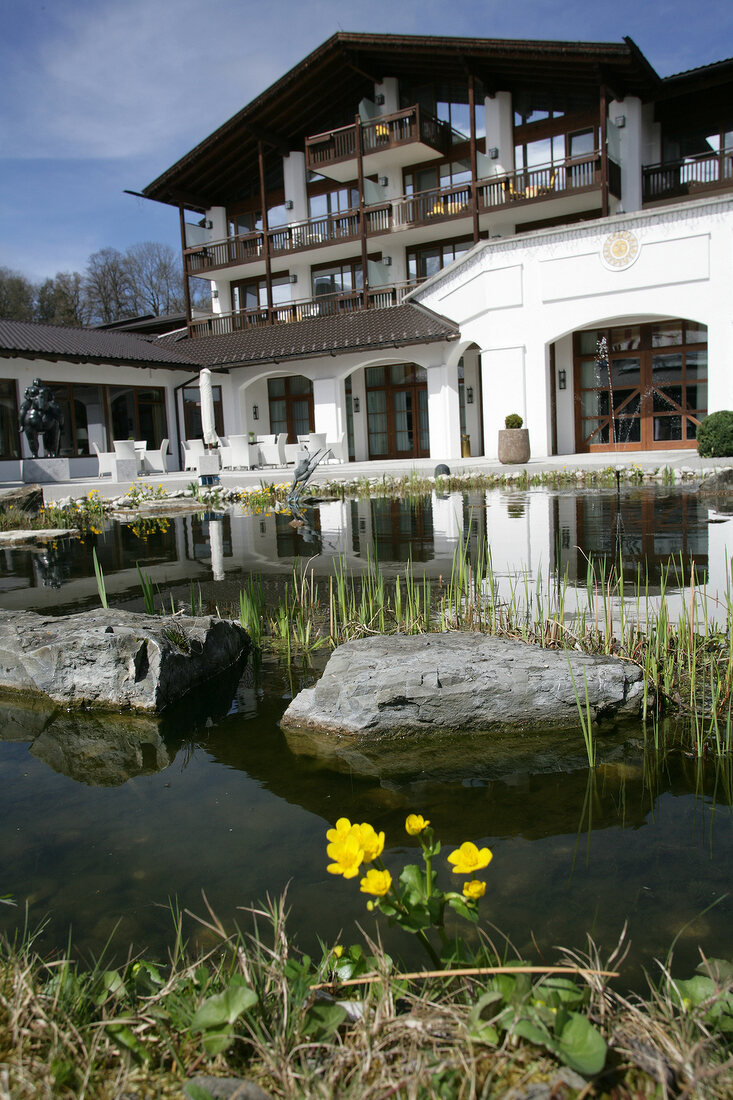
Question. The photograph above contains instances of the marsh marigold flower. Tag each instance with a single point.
(371, 841)
(347, 855)
(468, 858)
(376, 882)
(474, 889)
(342, 830)
(415, 824)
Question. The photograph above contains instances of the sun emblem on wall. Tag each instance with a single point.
(620, 250)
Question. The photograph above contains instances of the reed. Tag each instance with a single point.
(101, 586)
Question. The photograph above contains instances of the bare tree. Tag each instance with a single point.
(62, 300)
(107, 287)
(17, 296)
(156, 278)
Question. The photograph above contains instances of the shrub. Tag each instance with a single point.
(715, 435)
(514, 420)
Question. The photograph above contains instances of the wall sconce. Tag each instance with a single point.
(255, 412)
(387, 261)
(379, 100)
(620, 121)
(562, 379)
(493, 153)
(288, 204)
(293, 278)
(355, 404)
(215, 293)
(383, 181)
(469, 395)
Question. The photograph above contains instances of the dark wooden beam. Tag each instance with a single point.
(186, 289)
(362, 212)
(604, 152)
(474, 169)
(268, 258)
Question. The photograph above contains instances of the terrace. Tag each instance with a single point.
(693, 176)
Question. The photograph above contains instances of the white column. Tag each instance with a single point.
(500, 131)
(329, 407)
(631, 140)
(503, 392)
(390, 89)
(296, 189)
(221, 294)
(444, 413)
(360, 418)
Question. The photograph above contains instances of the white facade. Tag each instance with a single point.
(513, 299)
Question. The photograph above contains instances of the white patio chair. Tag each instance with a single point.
(339, 449)
(266, 438)
(225, 452)
(191, 448)
(125, 449)
(106, 461)
(156, 462)
(291, 450)
(240, 456)
(273, 454)
(316, 441)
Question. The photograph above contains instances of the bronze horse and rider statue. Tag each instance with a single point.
(40, 417)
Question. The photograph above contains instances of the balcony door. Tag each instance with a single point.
(645, 390)
(397, 411)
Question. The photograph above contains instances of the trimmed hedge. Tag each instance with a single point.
(715, 435)
(514, 420)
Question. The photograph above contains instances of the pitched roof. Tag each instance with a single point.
(31, 339)
(330, 81)
(399, 326)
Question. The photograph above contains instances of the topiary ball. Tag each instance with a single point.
(441, 470)
(715, 435)
(514, 420)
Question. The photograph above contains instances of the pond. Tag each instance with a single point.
(106, 823)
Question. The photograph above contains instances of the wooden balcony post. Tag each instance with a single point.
(268, 258)
(362, 211)
(474, 169)
(604, 152)
(186, 288)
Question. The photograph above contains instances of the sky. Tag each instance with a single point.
(102, 95)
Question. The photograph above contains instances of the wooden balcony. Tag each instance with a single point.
(427, 208)
(414, 130)
(305, 309)
(572, 176)
(693, 177)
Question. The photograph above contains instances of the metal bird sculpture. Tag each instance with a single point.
(303, 473)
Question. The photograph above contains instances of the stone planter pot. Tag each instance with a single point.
(513, 445)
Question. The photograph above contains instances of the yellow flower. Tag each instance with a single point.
(468, 858)
(347, 856)
(376, 882)
(372, 842)
(415, 824)
(474, 889)
(342, 830)
(338, 950)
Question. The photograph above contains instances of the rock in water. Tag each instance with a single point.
(407, 683)
(115, 659)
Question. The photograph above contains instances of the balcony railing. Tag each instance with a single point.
(377, 135)
(327, 305)
(424, 208)
(691, 176)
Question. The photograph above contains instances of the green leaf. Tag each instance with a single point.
(413, 879)
(694, 991)
(581, 1046)
(557, 990)
(323, 1019)
(720, 970)
(124, 1038)
(217, 1040)
(194, 1091)
(223, 1008)
(467, 912)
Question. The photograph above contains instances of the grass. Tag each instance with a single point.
(687, 658)
(255, 1007)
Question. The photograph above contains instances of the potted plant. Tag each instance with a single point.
(513, 440)
(252, 437)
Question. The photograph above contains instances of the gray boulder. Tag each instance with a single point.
(389, 685)
(23, 498)
(111, 659)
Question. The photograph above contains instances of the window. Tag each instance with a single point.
(192, 412)
(291, 406)
(84, 418)
(333, 202)
(448, 103)
(337, 279)
(250, 295)
(138, 413)
(430, 259)
(9, 431)
(239, 225)
(432, 177)
(553, 140)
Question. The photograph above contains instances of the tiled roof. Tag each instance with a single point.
(399, 326)
(32, 339)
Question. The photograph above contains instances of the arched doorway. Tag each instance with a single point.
(640, 386)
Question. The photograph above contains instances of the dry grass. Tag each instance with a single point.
(100, 1034)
